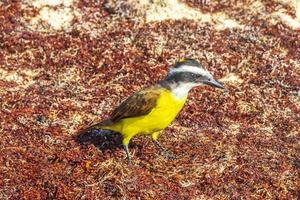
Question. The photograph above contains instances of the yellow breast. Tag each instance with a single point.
(167, 108)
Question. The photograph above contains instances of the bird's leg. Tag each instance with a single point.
(166, 153)
(127, 153)
(125, 144)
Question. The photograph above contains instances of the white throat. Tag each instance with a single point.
(181, 90)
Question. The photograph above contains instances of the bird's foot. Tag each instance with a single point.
(168, 155)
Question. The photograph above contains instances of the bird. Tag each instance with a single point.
(149, 111)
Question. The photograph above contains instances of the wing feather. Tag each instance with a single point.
(140, 103)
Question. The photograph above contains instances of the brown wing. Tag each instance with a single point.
(140, 103)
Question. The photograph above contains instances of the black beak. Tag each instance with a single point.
(214, 83)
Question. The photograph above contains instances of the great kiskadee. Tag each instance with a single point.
(151, 110)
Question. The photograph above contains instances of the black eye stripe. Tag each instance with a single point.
(185, 76)
(191, 74)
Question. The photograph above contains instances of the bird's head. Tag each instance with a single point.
(188, 73)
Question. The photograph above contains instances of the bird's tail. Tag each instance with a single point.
(95, 127)
(87, 135)
(102, 125)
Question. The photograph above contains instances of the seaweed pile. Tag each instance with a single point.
(64, 65)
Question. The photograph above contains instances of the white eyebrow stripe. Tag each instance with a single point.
(192, 69)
